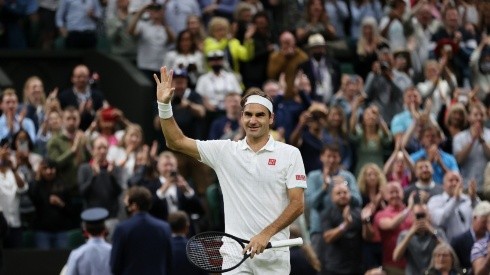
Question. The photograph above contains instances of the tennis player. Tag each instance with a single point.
(262, 180)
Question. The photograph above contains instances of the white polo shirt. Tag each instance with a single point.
(254, 184)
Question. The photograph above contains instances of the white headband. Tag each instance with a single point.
(260, 100)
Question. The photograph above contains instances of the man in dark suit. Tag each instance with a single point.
(463, 243)
(322, 71)
(82, 96)
(179, 223)
(141, 244)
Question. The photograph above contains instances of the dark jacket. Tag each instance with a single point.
(68, 97)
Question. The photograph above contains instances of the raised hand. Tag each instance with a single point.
(165, 91)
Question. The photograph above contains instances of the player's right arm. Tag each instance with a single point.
(175, 139)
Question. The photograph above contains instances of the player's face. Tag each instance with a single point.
(256, 120)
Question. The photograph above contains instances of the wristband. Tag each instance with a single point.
(164, 110)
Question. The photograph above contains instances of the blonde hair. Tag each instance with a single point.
(361, 178)
(130, 129)
(443, 246)
(28, 82)
(362, 42)
(216, 22)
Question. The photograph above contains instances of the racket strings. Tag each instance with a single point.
(214, 252)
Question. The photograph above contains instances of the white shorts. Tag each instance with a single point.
(270, 262)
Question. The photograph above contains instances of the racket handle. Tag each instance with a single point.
(290, 242)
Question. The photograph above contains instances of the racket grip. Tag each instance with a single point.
(289, 242)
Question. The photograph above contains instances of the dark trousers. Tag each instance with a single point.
(13, 239)
(81, 40)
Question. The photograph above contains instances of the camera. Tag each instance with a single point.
(173, 174)
(419, 216)
(384, 66)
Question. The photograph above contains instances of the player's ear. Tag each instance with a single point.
(271, 119)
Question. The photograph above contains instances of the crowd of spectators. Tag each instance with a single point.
(395, 140)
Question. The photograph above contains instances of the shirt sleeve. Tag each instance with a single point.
(296, 176)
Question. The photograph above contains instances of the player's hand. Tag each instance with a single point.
(257, 244)
(165, 91)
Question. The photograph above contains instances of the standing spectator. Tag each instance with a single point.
(196, 27)
(93, 257)
(463, 243)
(390, 222)
(11, 187)
(391, 26)
(227, 125)
(360, 10)
(314, 20)
(472, 146)
(34, 100)
(120, 41)
(322, 71)
(82, 96)
(337, 133)
(480, 258)
(451, 211)
(100, 182)
(179, 223)
(338, 14)
(77, 23)
(15, 16)
(138, 235)
(286, 60)
(398, 167)
(186, 57)
(342, 234)
(444, 261)
(455, 121)
(51, 126)
(401, 121)
(153, 37)
(480, 68)
(53, 205)
(319, 183)
(351, 88)
(3, 232)
(223, 8)
(367, 44)
(417, 243)
(11, 121)
(442, 162)
(424, 186)
(177, 12)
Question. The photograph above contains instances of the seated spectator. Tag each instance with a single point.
(211, 9)
(424, 185)
(53, 205)
(23, 156)
(11, 121)
(227, 125)
(177, 12)
(336, 132)
(390, 221)
(351, 89)
(286, 60)
(179, 223)
(480, 68)
(456, 121)
(361, 10)
(480, 258)
(371, 137)
(120, 41)
(51, 126)
(442, 162)
(11, 187)
(100, 182)
(471, 147)
(463, 243)
(367, 44)
(322, 71)
(320, 182)
(196, 27)
(391, 25)
(451, 211)
(401, 121)
(417, 243)
(342, 234)
(399, 166)
(82, 96)
(108, 123)
(444, 261)
(338, 15)
(186, 56)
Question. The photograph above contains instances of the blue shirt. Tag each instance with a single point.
(91, 258)
(318, 200)
(27, 125)
(448, 160)
(73, 15)
(177, 11)
(401, 122)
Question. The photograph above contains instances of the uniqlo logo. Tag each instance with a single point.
(300, 177)
(272, 162)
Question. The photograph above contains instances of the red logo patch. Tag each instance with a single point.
(272, 162)
(300, 177)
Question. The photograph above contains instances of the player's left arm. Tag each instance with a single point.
(293, 210)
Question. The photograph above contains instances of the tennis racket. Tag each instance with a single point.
(219, 252)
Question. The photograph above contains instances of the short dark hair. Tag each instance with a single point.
(140, 196)
(253, 91)
(178, 221)
(332, 147)
(95, 229)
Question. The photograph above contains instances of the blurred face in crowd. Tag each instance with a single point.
(100, 148)
(451, 19)
(156, 15)
(133, 138)
(71, 121)
(272, 89)
(123, 4)
(340, 193)
(393, 194)
(34, 91)
(220, 31)
(262, 25)
(47, 173)
(232, 105)
(166, 165)
(367, 31)
(443, 259)
(193, 24)
(54, 121)
(431, 71)
(430, 137)
(317, 120)
(287, 43)
(10, 103)
(424, 16)
(185, 42)
(412, 97)
(372, 177)
(22, 141)
(480, 224)
(423, 171)
(335, 118)
(256, 121)
(315, 9)
(452, 182)
(421, 215)
(80, 77)
(180, 84)
(477, 115)
(371, 116)
(331, 159)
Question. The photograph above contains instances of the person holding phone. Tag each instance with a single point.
(262, 180)
(417, 243)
